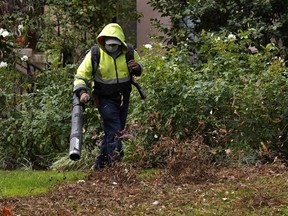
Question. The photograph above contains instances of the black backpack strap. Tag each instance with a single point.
(95, 58)
(130, 53)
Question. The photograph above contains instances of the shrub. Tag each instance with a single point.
(232, 97)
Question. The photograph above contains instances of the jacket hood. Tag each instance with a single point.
(112, 30)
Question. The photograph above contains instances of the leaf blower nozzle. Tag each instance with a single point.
(76, 136)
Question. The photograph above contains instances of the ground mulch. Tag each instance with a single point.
(182, 188)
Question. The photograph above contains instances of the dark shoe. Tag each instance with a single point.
(101, 162)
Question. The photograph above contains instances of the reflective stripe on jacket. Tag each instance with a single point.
(112, 77)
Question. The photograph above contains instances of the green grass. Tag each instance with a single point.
(26, 183)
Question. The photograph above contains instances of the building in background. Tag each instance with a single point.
(144, 27)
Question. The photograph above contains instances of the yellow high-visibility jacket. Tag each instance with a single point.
(112, 76)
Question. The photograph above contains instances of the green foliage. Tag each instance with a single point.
(36, 111)
(209, 85)
(76, 24)
(36, 119)
(36, 122)
(233, 98)
(23, 19)
(268, 19)
(242, 91)
(6, 44)
(63, 28)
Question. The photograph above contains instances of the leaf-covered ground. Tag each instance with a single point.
(183, 188)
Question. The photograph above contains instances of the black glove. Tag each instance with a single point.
(134, 67)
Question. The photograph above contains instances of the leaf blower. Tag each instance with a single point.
(76, 136)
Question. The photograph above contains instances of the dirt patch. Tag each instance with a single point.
(190, 187)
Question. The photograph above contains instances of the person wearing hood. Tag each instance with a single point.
(112, 85)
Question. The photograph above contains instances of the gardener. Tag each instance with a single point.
(112, 88)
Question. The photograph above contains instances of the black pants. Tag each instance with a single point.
(114, 114)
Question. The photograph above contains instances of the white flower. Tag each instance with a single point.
(155, 136)
(20, 27)
(4, 33)
(231, 37)
(148, 46)
(218, 39)
(24, 58)
(3, 64)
